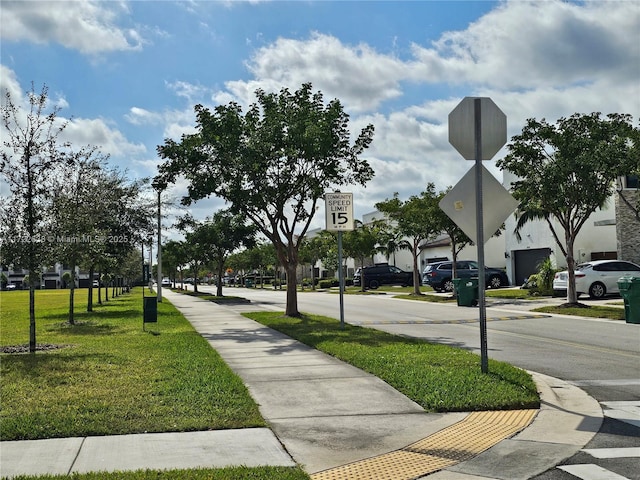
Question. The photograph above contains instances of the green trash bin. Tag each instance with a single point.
(248, 283)
(150, 309)
(630, 291)
(466, 291)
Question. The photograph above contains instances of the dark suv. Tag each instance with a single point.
(382, 274)
(438, 275)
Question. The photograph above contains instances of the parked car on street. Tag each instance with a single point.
(166, 282)
(439, 275)
(382, 274)
(597, 278)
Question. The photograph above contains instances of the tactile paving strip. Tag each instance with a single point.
(462, 441)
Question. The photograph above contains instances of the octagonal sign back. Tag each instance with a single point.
(462, 123)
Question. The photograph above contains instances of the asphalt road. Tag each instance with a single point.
(600, 356)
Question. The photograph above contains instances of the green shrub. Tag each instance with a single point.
(328, 283)
(541, 283)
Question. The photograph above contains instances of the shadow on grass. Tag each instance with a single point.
(47, 363)
(96, 315)
(83, 328)
(313, 332)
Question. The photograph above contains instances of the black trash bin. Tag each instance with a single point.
(150, 309)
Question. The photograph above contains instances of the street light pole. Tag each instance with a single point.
(159, 186)
(159, 250)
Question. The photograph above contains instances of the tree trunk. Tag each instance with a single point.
(72, 292)
(100, 288)
(220, 273)
(292, 292)
(454, 270)
(32, 313)
(416, 273)
(572, 295)
(195, 282)
(90, 296)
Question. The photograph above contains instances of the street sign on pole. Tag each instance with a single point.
(339, 211)
(478, 130)
(339, 217)
(493, 128)
(460, 204)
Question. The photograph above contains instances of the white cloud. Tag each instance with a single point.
(9, 83)
(534, 59)
(361, 77)
(524, 44)
(191, 93)
(87, 26)
(97, 132)
(140, 116)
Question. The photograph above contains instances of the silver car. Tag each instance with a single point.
(597, 278)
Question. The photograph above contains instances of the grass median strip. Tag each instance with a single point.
(437, 377)
(111, 377)
(230, 473)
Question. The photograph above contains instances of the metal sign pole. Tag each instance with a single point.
(341, 279)
(480, 236)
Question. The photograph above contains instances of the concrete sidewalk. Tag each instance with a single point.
(324, 414)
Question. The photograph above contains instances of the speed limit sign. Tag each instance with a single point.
(339, 211)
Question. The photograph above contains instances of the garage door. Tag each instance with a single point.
(527, 261)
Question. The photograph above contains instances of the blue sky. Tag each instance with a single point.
(128, 73)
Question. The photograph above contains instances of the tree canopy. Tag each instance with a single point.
(416, 220)
(272, 163)
(567, 171)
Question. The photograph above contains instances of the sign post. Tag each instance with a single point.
(339, 218)
(478, 130)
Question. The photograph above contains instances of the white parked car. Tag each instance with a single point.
(597, 278)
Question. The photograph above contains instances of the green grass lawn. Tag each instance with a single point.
(438, 377)
(112, 377)
(594, 311)
(231, 473)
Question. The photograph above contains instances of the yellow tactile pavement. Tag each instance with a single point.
(462, 441)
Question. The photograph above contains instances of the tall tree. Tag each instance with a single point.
(271, 164)
(122, 214)
(173, 259)
(311, 251)
(73, 209)
(32, 151)
(361, 243)
(390, 241)
(567, 171)
(416, 221)
(224, 233)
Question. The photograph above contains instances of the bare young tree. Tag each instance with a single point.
(31, 151)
